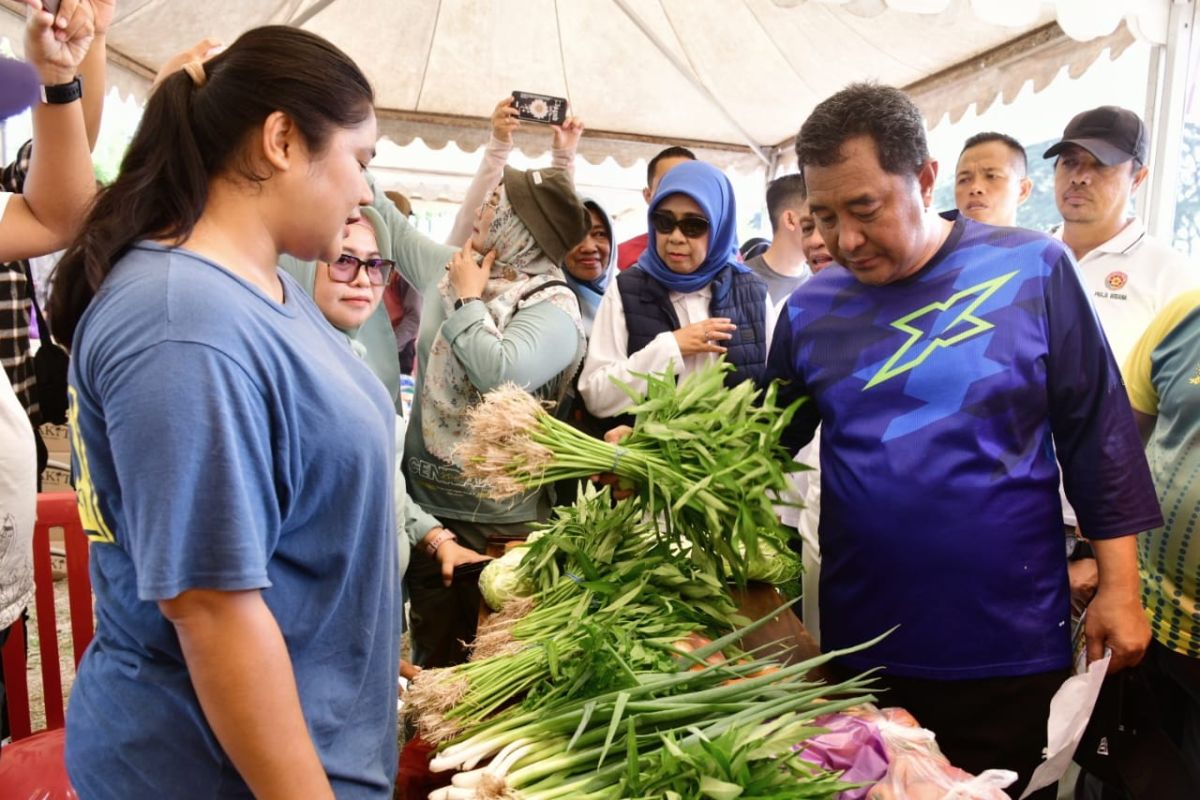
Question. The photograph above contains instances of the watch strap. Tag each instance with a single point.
(462, 301)
(63, 93)
(437, 540)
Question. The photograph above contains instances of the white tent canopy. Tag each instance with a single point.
(732, 78)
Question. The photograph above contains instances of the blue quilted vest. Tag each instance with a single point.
(740, 296)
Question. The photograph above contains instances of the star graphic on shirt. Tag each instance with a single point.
(1195, 379)
(928, 329)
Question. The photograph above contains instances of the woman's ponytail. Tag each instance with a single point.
(194, 130)
(160, 191)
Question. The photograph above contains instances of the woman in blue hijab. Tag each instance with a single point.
(687, 301)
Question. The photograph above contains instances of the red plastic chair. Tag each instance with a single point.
(32, 766)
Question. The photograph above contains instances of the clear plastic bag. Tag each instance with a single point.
(918, 770)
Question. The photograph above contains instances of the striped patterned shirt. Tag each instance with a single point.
(15, 308)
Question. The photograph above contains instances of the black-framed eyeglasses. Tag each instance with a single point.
(691, 227)
(347, 267)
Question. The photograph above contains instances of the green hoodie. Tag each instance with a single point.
(373, 341)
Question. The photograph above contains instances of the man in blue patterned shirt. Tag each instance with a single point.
(949, 363)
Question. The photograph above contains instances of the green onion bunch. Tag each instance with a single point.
(688, 730)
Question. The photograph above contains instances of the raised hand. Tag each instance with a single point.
(505, 120)
(566, 136)
(102, 15)
(55, 44)
(201, 51)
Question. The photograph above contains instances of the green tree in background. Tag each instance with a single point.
(1187, 212)
(106, 158)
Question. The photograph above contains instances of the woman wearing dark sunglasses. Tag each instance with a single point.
(687, 301)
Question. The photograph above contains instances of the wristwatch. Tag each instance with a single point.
(62, 93)
(462, 301)
(437, 540)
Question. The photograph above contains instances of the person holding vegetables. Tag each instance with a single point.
(497, 310)
(948, 365)
(686, 302)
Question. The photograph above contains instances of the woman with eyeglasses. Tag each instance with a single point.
(686, 302)
(347, 290)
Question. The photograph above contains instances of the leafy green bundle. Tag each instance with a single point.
(611, 600)
(702, 458)
(700, 733)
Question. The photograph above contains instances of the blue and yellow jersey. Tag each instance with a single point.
(1163, 372)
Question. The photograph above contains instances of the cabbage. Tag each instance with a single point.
(499, 582)
(772, 566)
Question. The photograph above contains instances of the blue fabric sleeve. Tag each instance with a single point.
(781, 366)
(191, 435)
(1104, 466)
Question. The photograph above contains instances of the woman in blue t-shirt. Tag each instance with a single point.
(234, 458)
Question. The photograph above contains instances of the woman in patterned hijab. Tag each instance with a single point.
(501, 313)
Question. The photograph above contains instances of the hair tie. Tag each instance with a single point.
(195, 71)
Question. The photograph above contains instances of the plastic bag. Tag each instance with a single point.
(919, 771)
(853, 746)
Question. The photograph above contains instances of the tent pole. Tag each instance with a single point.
(772, 165)
(1166, 123)
(1154, 81)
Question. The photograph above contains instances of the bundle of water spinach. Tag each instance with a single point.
(703, 458)
(610, 600)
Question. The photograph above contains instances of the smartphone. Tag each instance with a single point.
(470, 572)
(544, 108)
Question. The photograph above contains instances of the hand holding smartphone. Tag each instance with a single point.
(544, 108)
(470, 572)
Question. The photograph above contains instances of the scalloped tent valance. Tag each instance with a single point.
(732, 79)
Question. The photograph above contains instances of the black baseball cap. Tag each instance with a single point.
(1112, 134)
